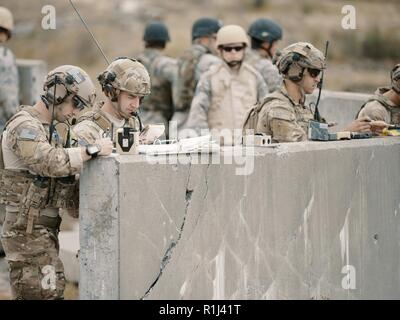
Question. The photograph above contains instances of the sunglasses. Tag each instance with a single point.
(314, 72)
(229, 49)
(78, 103)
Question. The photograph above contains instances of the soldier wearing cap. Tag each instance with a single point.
(384, 105)
(38, 173)
(283, 114)
(158, 107)
(193, 63)
(227, 91)
(265, 35)
(124, 83)
(9, 95)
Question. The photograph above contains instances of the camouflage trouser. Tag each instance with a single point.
(36, 271)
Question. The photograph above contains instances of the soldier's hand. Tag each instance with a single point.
(378, 126)
(106, 146)
(359, 125)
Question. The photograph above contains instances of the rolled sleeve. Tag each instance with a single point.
(75, 158)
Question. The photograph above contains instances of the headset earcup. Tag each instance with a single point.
(295, 72)
(60, 89)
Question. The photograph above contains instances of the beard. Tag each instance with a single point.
(234, 63)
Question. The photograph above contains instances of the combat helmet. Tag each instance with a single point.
(6, 20)
(125, 74)
(231, 34)
(156, 32)
(295, 58)
(67, 80)
(265, 30)
(204, 27)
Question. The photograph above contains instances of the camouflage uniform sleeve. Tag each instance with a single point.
(375, 111)
(282, 124)
(271, 75)
(262, 89)
(29, 143)
(86, 132)
(9, 81)
(206, 61)
(169, 69)
(197, 119)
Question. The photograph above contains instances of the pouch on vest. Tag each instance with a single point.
(65, 194)
(251, 119)
(32, 200)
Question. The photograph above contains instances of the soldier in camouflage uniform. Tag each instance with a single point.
(125, 82)
(8, 81)
(227, 91)
(385, 104)
(9, 99)
(158, 107)
(193, 63)
(265, 35)
(38, 178)
(283, 114)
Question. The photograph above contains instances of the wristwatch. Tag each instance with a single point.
(93, 150)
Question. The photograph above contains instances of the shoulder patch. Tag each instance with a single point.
(28, 134)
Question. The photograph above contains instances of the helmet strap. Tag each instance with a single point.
(52, 126)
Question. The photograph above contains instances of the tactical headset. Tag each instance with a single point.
(60, 81)
(290, 67)
(59, 86)
(106, 80)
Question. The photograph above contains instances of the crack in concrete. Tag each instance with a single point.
(168, 253)
(205, 195)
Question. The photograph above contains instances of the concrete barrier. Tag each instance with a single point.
(313, 221)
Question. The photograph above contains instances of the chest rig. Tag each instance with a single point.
(32, 193)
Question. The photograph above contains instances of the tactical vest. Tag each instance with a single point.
(251, 118)
(394, 112)
(232, 96)
(161, 97)
(33, 193)
(186, 72)
(302, 116)
(97, 116)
